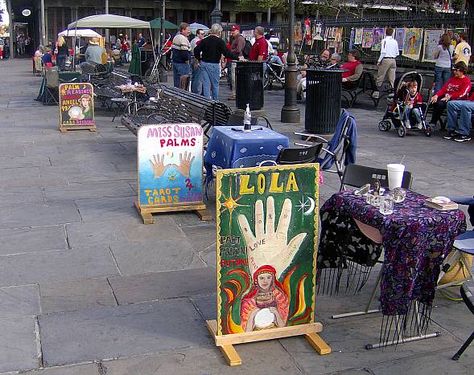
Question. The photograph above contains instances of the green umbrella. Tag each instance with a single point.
(135, 64)
(156, 24)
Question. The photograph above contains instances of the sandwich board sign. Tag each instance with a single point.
(170, 170)
(76, 107)
(267, 237)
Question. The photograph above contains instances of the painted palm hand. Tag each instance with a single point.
(185, 162)
(268, 246)
(158, 165)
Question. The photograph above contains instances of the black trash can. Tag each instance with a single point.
(249, 84)
(323, 100)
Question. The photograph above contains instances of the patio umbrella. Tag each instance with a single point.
(135, 64)
(156, 24)
(194, 26)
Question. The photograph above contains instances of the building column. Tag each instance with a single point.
(232, 17)
(179, 16)
(258, 18)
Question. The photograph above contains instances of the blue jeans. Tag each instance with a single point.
(441, 77)
(464, 109)
(196, 82)
(61, 61)
(179, 69)
(210, 74)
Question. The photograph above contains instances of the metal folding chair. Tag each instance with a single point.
(467, 293)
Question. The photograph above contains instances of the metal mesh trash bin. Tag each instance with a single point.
(249, 84)
(323, 100)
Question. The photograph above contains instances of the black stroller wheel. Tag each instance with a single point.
(385, 125)
(428, 130)
(401, 131)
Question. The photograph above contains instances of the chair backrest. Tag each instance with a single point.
(358, 175)
(345, 137)
(52, 78)
(299, 155)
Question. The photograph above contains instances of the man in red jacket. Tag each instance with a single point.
(457, 88)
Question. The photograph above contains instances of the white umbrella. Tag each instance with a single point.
(84, 33)
(194, 26)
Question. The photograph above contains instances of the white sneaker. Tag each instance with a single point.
(407, 125)
(375, 94)
(419, 126)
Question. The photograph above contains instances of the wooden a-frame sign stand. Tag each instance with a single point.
(65, 128)
(147, 212)
(226, 342)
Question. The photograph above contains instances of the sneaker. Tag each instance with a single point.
(419, 126)
(231, 97)
(407, 125)
(375, 94)
(451, 134)
(462, 138)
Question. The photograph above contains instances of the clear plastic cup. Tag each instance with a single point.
(386, 205)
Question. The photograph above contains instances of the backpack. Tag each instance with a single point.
(247, 48)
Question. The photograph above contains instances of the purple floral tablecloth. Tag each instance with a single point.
(415, 238)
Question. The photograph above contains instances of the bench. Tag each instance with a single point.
(366, 85)
(178, 106)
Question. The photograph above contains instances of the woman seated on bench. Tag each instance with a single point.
(354, 68)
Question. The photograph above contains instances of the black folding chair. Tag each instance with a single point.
(51, 95)
(299, 155)
(339, 151)
(467, 293)
(356, 175)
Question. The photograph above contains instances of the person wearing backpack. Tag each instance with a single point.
(237, 48)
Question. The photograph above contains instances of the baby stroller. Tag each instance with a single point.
(396, 108)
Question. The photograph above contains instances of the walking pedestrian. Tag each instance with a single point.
(209, 52)
(181, 53)
(443, 55)
(386, 61)
(463, 51)
(259, 50)
(196, 83)
(237, 48)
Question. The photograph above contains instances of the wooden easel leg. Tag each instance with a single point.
(204, 215)
(147, 217)
(62, 130)
(318, 343)
(231, 355)
(92, 129)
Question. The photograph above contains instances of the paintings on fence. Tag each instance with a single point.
(378, 35)
(430, 44)
(412, 43)
(367, 38)
(400, 37)
(267, 227)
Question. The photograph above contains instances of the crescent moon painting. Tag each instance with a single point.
(311, 207)
(306, 205)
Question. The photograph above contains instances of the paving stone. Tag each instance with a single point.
(152, 286)
(32, 240)
(86, 234)
(86, 369)
(100, 209)
(165, 255)
(83, 190)
(18, 344)
(257, 358)
(75, 295)
(19, 300)
(35, 214)
(23, 162)
(56, 266)
(121, 331)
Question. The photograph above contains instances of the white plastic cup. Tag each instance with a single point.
(395, 175)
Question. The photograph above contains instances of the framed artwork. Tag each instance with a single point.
(358, 36)
(400, 37)
(430, 44)
(267, 236)
(378, 35)
(367, 38)
(412, 43)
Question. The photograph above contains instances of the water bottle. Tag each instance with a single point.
(247, 119)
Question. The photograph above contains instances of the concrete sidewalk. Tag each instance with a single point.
(87, 289)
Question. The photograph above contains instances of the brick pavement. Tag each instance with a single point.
(86, 289)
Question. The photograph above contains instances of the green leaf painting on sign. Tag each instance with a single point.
(267, 220)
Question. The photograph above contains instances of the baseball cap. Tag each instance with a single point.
(235, 27)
